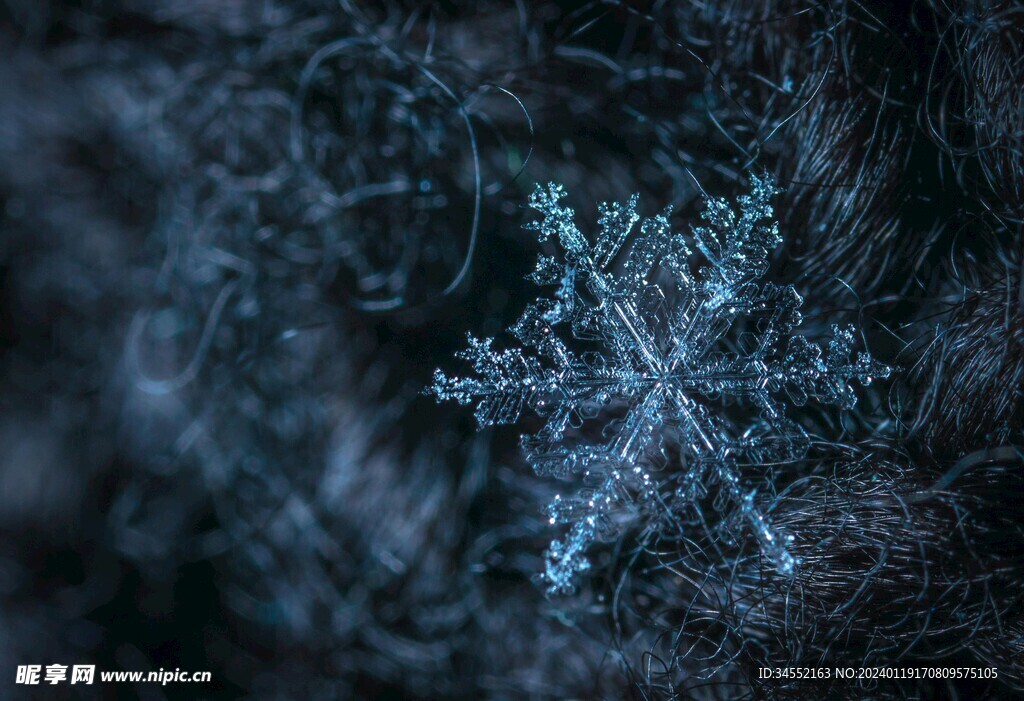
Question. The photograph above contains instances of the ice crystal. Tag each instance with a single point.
(660, 338)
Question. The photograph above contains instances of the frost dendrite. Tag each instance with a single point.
(656, 350)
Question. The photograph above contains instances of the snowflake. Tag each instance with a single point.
(660, 341)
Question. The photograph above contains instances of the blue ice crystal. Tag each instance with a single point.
(660, 338)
